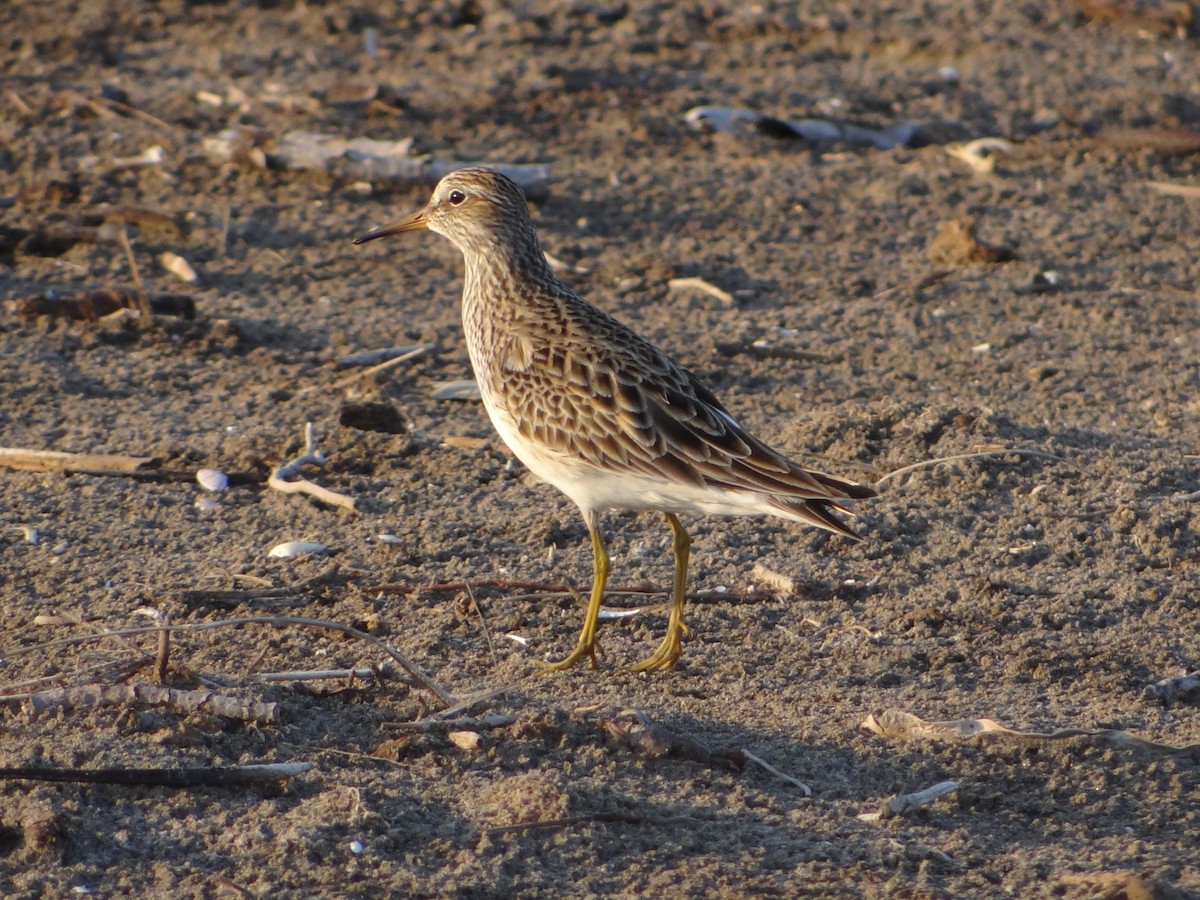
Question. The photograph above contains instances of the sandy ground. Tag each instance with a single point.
(1043, 590)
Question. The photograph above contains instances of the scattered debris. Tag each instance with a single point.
(784, 584)
(699, 284)
(151, 156)
(1171, 141)
(317, 675)
(762, 763)
(361, 159)
(956, 245)
(212, 480)
(820, 132)
(172, 776)
(296, 548)
(897, 724)
(559, 265)
(447, 700)
(905, 803)
(1189, 191)
(980, 154)
(178, 266)
(384, 354)
(464, 442)
(81, 463)
(287, 479)
(92, 695)
(1163, 19)
(90, 306)
(640, 733)
(1185, 689)
(412, 353)
(465, 740)
(463, 722)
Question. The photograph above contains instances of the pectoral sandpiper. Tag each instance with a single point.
(594, 409)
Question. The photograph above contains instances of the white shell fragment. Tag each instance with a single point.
(296, 548)
(389, 539)
(178, 266)
(212, 479)
(207, 504)
(980, 154)
(609, 614)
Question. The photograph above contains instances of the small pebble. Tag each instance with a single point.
(465, 740)
(207, 504)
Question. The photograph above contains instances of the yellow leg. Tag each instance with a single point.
(671, 648)
(587, 638)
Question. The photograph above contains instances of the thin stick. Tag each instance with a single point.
(484, 625)
(135, 112)
(224, 239)
(373, 370)
(182, 777)
(277, 621)
(143, 300)
(163, 656)
(465, 703)
(804, 788)
(1174, 190)
(1039, 454)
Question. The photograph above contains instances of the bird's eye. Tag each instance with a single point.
(457, 197)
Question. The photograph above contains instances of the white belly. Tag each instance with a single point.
(595, 490)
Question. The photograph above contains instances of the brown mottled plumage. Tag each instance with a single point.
(600, 413)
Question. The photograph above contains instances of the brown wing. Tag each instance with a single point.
(610, 398)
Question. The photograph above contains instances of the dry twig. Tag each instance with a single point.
(83, 463)
(87, 696)
(181, 777)
(905, 803)
(277, 621)
(281, 478)
(143, 302)
(762, 763)
(894, 723)
(413, 353)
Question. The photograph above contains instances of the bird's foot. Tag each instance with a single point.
(572, 659)
(667, 654)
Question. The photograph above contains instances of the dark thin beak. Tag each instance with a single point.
(412, 222)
